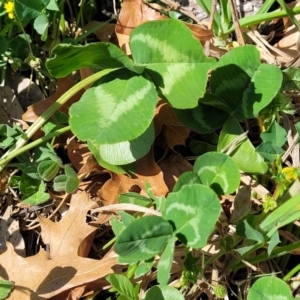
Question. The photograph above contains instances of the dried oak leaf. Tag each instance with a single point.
(45, 275)
(146, 170)
(172, 166)
(63, 85)
(133, 13)
(167, 124)
(104, 32)
(288, 42)
(78, 153)
(200, 32)
(90, 166)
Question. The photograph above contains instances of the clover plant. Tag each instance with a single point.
(163, 65)
(269, 287)
(115, 117)
(188, 216)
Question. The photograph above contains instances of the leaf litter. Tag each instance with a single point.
(62, 266)
(64, 261)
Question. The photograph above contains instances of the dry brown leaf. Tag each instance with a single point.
(63, 85)
(76, 229)
(83, 291)
(214, 51)
(173, 165)
(291, 35)
(133, 13)
(77, 152)
(45, 275)
(76, 293)
(175, 135)
(146, 170)
(172, 130)
(242, 204)
(103, 33)
(288, 42)
(200, 32)
(164, 114)
(92, 187)
(90, 166)
(136, 12)
(123, 42)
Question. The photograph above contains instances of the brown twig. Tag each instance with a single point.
(213, 10)
(235, 18)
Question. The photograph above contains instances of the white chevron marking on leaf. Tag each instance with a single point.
(167, 51)
(116, 109)
(194, 224)
(218, 175)
(174, 73)
(141, 245)
(181, 207)
(154, 229)
(211, 169)
(144, 249)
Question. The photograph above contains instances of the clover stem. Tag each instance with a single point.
(47, 114)
(36, 143)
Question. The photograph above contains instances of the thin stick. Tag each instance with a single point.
(237, 26)
(126, 206)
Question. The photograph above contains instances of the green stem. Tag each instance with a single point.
(257, 19)
(263, 257)
(282, 261)
(290, 13)
(62, 23)
(131, 270)
(26, 37)
(36, 143)
(213, 258)
(47, 114)
(80, 21)
(291, 273)
(266, 6)
(6, 28)
(92, 30)
(109, 243)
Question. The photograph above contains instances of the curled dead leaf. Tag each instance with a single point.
(200, 32)
(172, 166)
(167, 124)
(133, 13)
(291, 35)
(78, 153)
(48, 274)
(102, 30)
(146, 170)
(63, 85)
